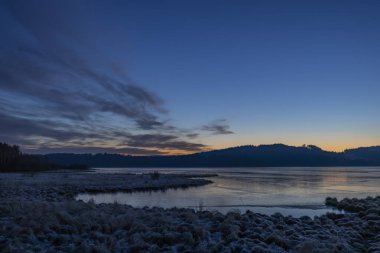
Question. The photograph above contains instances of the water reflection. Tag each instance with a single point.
(291, 191)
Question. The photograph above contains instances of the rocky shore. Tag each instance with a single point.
(38, 213)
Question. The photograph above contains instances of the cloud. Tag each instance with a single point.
(94, 150)
(31, 132)
(218, 127)
(45, 137)
(58, 94)
(60, 72)
(36, 105)
(161, 141)
(192, 135)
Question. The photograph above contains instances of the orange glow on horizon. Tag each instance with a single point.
(333, 148)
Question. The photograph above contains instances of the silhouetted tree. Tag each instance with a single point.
(11, 159)
(9, 156)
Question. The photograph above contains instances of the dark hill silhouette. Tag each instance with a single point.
(369, 154)
(243, 156)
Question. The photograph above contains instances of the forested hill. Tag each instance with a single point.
(243, 156)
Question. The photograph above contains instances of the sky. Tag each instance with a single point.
(175, 77)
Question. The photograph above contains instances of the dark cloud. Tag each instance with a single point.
(94, 150)
(53, 138)
(57, 94)
(218, 127)
(144, 96)
(40, 75)
(24, 131)
(192, 135)
(163, 142)
(55, 72)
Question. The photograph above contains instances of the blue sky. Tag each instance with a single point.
(160, 77)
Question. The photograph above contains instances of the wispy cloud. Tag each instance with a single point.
(164, 142)
(57, 95)
(218, 127)
(96, 150)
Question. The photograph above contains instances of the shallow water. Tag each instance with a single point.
(295, 191)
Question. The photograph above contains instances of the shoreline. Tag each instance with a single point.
(57, 186)
(38, 213)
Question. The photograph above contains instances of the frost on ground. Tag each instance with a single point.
(368, 210)
(51, 221)
(65, 186)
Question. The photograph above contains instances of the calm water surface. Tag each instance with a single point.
(291, 191)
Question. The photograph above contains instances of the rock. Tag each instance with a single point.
(331, 201)
(278, 240)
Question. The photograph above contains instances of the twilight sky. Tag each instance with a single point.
(165, 77)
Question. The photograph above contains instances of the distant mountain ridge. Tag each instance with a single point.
(242, 156)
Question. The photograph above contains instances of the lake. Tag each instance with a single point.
(295, 191)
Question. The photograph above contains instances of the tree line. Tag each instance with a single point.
(12, 159)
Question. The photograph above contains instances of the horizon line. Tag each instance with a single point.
(209, 150)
